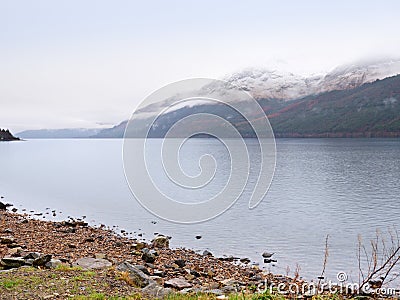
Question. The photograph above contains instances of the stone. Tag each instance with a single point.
(151, 266)
(186, 291)
(29, 261)
(177, 283)
(229, 258)
(189, 277)
(15, 251)
(32, 255)
(160, 241)
(212, 286)
(245, 260)
(229, 281)
(154, 290)
(194, 273)
(158, 273)
(139, 278)
(198, 237)
(207, 253)
(91, 263)
(157, 279)
(6, 240)
(138, 246)
(215, 291)
(148, 256)
(180, 262)
(100, 256)
(143, 269)
(12, 262)
(229, 289)
(3, 206)
(267, 254)
(15, 245)
(53, 263)
(41, 260)
(118, 244)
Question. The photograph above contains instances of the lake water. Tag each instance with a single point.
(340, 187)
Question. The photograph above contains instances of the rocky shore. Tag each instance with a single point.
(72, 260)
(149, 268)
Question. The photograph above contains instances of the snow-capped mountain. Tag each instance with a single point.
(354, 75)
(263, 83)
(274, 84)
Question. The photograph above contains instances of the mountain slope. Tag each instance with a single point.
(114, 132)
(372, 109)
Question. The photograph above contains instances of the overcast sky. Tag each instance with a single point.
(89, 63)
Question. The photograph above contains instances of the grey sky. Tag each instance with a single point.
(85, 63)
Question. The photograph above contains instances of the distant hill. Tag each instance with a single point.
(67, 133)
(6, 136)
(115, 132)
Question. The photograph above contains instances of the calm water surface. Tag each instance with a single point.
(340, 187)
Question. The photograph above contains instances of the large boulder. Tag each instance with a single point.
(138, 278)
(177, 283)
(90, 263)
(154, 290)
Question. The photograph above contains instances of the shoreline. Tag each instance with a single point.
(70, 241)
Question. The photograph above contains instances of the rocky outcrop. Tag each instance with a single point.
(6, 136)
